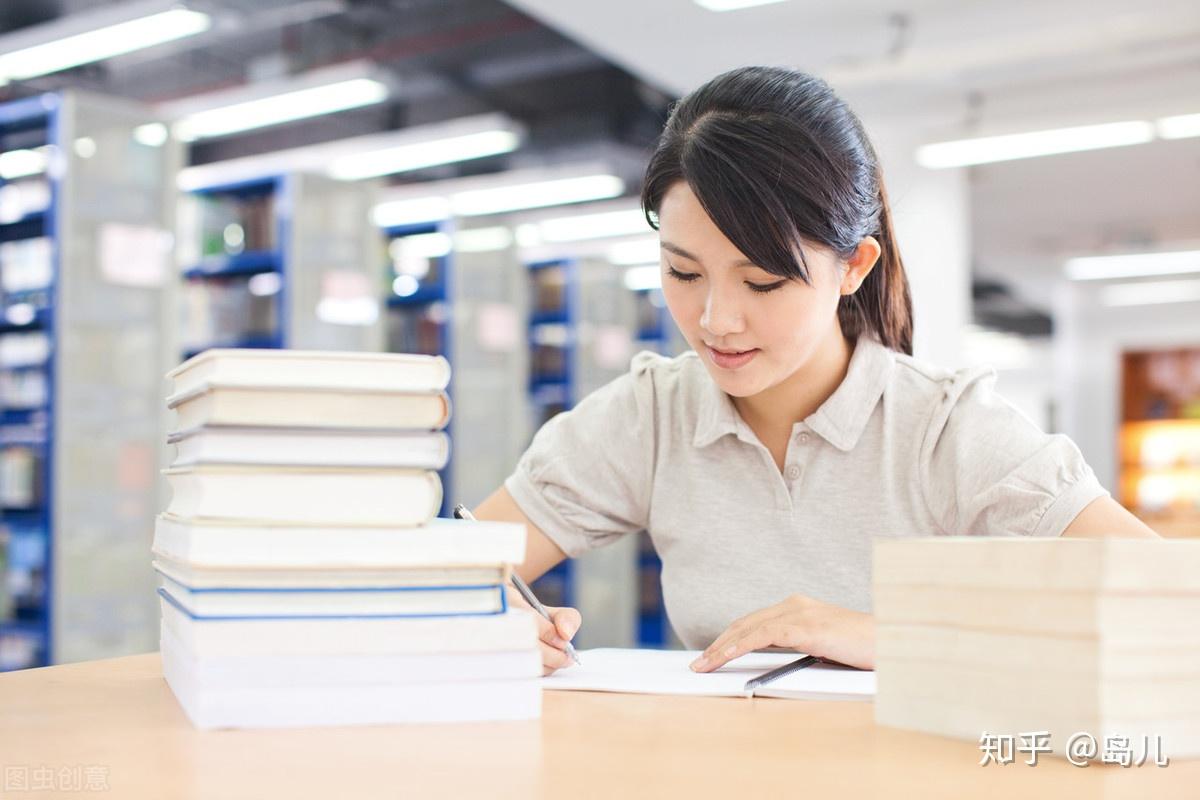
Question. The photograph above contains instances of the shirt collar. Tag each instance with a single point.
(840, 420)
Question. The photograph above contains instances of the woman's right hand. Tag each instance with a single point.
(552, 638)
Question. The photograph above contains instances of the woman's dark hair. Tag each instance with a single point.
(776, 158)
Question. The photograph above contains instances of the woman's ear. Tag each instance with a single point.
(860, 264)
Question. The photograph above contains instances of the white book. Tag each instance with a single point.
(667, 672)
(315, 369)
(438, 543)
(306, 495)
(288, 707)
(514, 630)
(334, 603)
(329, 577)
(375, 669)
(229, 444)
(219, 404)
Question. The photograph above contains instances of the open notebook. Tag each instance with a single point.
(667, 672)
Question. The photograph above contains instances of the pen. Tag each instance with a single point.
(779, 672)
(461, 512)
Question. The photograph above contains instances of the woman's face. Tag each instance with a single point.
(751, 329)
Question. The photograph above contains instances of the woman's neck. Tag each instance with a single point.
(803, 392)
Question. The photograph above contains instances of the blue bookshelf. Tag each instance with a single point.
(243, 230)
(26, 434)
(419, 290)
(553, 322)
(654, 325)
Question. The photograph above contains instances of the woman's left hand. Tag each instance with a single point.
(798, 623)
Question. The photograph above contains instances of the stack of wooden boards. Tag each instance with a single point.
(304, 578)
(1007, 636)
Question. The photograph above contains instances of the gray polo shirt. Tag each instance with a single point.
(901, 448)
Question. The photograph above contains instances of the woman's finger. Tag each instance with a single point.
(566, 622)
(552, 658)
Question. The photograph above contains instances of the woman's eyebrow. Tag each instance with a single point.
(679, 251)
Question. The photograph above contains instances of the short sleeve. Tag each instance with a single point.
(989, 471)
(586, 478)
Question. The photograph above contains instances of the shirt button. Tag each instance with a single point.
(802, 438)
(792, 472)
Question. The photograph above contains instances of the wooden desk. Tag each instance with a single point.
(119, 715)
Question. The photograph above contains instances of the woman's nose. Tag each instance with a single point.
(721, 316)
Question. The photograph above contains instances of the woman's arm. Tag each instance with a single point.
(541, 555)
(1105, 517)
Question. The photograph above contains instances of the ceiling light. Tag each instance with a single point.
(648, 276)
(733, 5)
(1145, 293)
(638, 251)
(593, 226)
(407, 157)
(1179, 127)
(260, 105)
(348, 159)
(989, 149)
(495, 194)
(85, 38)
(537, 195)
(1134, 265)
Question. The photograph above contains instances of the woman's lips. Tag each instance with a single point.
(730, 359)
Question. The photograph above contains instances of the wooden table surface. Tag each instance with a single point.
(117, 719)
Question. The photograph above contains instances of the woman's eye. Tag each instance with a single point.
(763, 288)
(686, 277)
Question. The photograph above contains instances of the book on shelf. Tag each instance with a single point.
(311, 369)
(234, 444)
(238, 544)
(308, 496)
(276, 407)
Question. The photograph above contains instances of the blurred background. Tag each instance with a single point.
(459, 177)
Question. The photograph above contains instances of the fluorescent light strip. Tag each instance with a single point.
(647, 276)
(497, 200)
(373, 147)
(593, 226)
(99, 44)
(286, 107)
(424, 154)
(733, 5)
(536, 195)
(1138, 265)
(638, 251)
(990, 149)
(1145, 293)
(1180, 127)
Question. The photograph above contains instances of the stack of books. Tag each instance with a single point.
(304, 579)
(1004, 637)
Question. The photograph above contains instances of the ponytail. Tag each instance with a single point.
(882, 306)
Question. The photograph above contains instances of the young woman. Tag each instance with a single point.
(800, 428)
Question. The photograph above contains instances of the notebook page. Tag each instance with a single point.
(660, 672)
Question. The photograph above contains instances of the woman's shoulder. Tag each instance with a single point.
(661, 386)
(926, 385)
